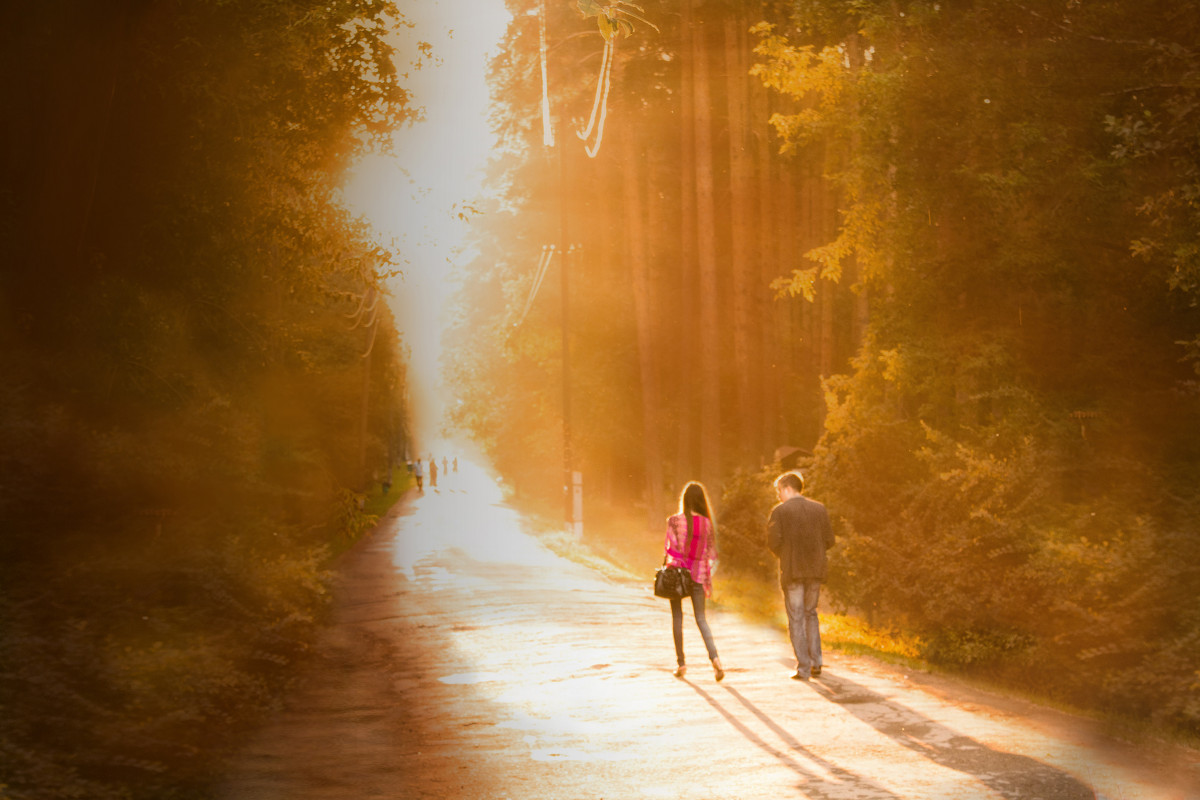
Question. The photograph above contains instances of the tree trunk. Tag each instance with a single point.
(861, 314)
(708, 336)
(825, 297)
(638, 263)
(605, 256)
(786, 357)
(744, 266)
(808, 235)
(828, 289)
(683, 358)
(762, 313)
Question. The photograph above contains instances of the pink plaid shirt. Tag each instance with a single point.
(679, 548)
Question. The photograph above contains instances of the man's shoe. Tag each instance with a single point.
(816, 672)
(799, 677)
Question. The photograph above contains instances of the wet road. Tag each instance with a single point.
(465, 660)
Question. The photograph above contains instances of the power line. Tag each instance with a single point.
(540, 274)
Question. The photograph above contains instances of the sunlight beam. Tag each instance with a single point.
(416, 198)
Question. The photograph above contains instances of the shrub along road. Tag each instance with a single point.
(466, 660)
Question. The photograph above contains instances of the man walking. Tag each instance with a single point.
(798, 533)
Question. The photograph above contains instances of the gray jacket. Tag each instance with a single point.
(798, 533)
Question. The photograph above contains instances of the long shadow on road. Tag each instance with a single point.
(812, 782)
(1012, 776)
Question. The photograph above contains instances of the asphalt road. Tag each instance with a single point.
(465, 660)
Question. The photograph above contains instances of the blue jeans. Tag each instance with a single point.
(701, 623)
(801, 598)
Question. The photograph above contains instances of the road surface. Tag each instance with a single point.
(465, 660)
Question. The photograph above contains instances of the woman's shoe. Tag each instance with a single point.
(717, 671)
(681, 670)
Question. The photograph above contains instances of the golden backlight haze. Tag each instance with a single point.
(419, 197)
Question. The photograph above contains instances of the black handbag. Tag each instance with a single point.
(672, 582)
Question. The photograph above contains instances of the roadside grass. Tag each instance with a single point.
(379, 502)
(359, 521)
(761, 601)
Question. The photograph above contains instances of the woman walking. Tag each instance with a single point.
(692, 544)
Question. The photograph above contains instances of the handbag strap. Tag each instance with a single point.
(694, 544)
(694, 537)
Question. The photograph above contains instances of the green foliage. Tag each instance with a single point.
(972, 648)
(745, 505)
(181, 425)
(126, 667)
(1012, 457)
(1010, 547)
(353, 521)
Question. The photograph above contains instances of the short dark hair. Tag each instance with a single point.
(792, 479)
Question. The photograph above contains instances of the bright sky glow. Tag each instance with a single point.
(415, 197)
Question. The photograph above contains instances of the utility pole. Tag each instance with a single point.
(572, 480)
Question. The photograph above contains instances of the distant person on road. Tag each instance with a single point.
(445, 466)
(798, 533)
(456, 465)
(692, 544)
(419, 474)
(432, 472)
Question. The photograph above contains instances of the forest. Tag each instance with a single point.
(200, 377)
(944, 257)
(941, 256)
